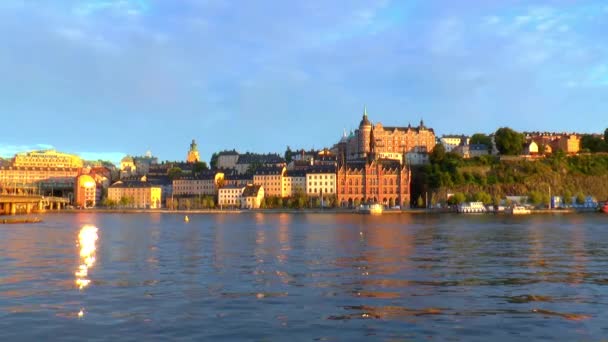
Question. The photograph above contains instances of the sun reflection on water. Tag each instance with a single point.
(87, 243)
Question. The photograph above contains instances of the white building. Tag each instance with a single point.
(321, 180)
(230, 196)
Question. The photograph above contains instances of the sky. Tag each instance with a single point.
(106, 78)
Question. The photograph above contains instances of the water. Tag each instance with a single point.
(304, 277)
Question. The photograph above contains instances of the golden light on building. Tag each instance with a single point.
(85, 191)
(47, 158)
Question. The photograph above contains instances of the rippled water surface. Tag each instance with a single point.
(304, 277)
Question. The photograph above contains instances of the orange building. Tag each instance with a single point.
(375, 180)
(85, 191)
(390, 142)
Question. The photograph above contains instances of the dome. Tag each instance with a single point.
(127, 159)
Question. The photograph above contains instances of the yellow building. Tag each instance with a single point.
(34, 177)
(136, 194)
(294, 182)
(47, 158)
(85, 191)
(252, 196)
(230, 196)
(205, 183)
(193, 156)
(271, 178)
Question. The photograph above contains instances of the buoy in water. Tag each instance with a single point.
(186, 219)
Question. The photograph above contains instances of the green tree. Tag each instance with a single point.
(484, 197)
(457, 198)
(199, 167)
(480, 138)
(288, 155)
(508, 141)
(174, 172)
(606, 135)
(438, 154)
(213, 161)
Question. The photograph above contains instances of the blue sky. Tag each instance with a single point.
(105, 78)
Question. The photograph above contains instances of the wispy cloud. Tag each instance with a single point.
(9, 151)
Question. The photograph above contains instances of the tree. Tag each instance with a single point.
(438, 154)
(174, 172)
(594, 143)
(199, 167)
(213, 161)
(457, 198)
(508, 141)
(606, 135)
(480, 138)
(288, 155)
(484, 197)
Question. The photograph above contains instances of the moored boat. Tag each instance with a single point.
(604, 209)
(517, 210)
(471, 208)
(374, 209)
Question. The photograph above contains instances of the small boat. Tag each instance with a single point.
(604, 209)
(186, 218)
(517, 210)
(20, 220)
(374, 209)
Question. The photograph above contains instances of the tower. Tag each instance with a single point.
(193, 156)
(365, 128)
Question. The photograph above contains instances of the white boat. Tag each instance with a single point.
(517, 210)
(471, 208)
(374, 209)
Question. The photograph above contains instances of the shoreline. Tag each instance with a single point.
(292, 211)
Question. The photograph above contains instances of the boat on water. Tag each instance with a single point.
(604, 209)
(517, 210)
(471, 208)
(20, 220)
(374, 209)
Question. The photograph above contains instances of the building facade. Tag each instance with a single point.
(227, 159)
(252, 196)
(136, 194)
(294, 182)
(321, 181)
(230, 196)
(205, 183)
(373, 181)
(391, 142)
(37, 179)
(271, 178)
(85, 192)
(47, 158)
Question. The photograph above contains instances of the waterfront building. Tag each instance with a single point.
(391, 142)
(294, 182)
(85, 191)
(204, 183)
(321, 180)
(38, 179)
(252, 196)
(374, 180)
(47, 159)
(271, 178)
(230, 196)
(136, 194)
(193, 156)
